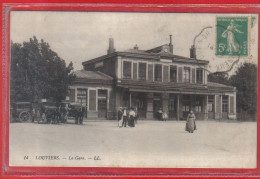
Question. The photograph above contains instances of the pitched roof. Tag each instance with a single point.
(210, 88)
(92, 75)
(218, 85)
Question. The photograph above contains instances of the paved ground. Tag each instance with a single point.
(149, 144)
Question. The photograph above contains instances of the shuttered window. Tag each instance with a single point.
(150, 72)
(193, 75)
(142, 71)
(127, 70)
(199, 75)
(135, 71)
(180, 74)
(158, 72)
(173, 74)
(165, 73)
(186, 75)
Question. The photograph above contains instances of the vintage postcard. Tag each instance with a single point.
(135, 90)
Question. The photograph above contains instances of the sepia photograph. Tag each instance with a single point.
(135, 90)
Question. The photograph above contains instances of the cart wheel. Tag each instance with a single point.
(24, 116)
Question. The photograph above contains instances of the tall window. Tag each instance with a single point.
(199, 76)
(199, 103)
(210, 103)
(171, 104)
(173, 74)
(142, 71)
(82, 96)
(102, 93)
(127, 70)
(186, 103)
(224, 103)
(158, 73)
(186, 75)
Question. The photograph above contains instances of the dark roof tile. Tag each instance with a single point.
(92, 75)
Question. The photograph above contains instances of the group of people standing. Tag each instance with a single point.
(127, 117)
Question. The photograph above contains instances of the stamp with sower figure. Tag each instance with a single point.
(229, 42)
(232, 36)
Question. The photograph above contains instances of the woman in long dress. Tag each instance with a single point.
(190, 124)
(131, 122)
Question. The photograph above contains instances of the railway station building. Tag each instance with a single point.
(149, 80)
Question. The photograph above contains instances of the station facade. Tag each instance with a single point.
(149, 80)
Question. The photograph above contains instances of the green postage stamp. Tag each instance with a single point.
(232, 36)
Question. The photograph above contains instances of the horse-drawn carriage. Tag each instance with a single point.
(47, 112)
(73, 111)
(21, 111)
(60, 113)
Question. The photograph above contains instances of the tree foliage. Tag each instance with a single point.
(245, 81)
(38, 72)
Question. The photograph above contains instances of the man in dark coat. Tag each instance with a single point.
(120, 116)
(124, 117)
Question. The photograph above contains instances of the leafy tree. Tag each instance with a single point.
(245, 81)
(38, 72)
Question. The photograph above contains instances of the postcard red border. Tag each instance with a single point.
(95, 171)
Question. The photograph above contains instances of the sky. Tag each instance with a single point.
(81, 36)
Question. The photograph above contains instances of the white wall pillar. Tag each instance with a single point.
(119, 68)
(235, 103)
(178, 107)
(206, 76)
(206, 107)
(221, 106)
(228, 104)
(76, 94)
(130, 99)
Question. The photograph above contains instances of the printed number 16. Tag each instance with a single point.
(221, 47)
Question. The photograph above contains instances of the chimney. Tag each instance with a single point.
(170, 44)
(193, 52)
(136, 47)
(111, 48)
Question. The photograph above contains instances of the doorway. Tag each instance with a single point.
(102, 103)
(157, 104)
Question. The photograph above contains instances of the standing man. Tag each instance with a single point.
(120, 117)
(33, 113)
(124, 117)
